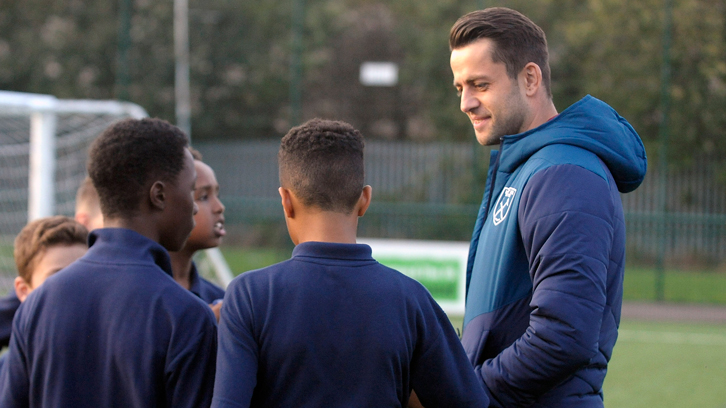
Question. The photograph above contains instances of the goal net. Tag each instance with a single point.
(43, 147)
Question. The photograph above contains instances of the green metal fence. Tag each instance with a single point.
(433, 191)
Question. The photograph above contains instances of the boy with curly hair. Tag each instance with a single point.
(114, 328)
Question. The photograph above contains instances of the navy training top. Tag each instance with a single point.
(332, 327)
(111, 329)
(204, 289)
(8, 305)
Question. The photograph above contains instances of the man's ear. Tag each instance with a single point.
(531, 76)
(364, 200)
(286, 198)
(157, 196)
(22, 288)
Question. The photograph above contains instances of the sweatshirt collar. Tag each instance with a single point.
(330, 250)
(125, 246)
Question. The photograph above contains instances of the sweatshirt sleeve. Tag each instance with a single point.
(566, 217)
(237, 359)
(441, 373)
(190, 371)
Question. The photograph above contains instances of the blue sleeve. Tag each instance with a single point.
(237, 359)
(566, 219)
(441, 374)
(191, 367)
(14, 376)
(8, 305)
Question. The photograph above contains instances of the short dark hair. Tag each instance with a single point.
(41, 234)
(321, 161)
(518, 41)
(127, 155)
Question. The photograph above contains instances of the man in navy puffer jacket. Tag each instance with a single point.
(545, 272)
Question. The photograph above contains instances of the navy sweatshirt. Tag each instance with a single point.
(8, 305)
(111, 329)
(332, 327)
(204, 289)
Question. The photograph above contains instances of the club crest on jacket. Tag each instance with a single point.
(504, 203)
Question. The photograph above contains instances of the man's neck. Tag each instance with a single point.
(542, 112)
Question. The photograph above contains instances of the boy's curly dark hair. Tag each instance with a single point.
(127, 155)
(321, 161)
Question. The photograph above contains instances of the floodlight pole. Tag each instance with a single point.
(122, 56)
(298, 18)
(665, 101)
(182, 91)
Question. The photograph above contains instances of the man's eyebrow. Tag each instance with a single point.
(477, 78)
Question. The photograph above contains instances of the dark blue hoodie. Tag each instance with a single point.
(545, 271)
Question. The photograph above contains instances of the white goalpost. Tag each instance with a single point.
(43, 149)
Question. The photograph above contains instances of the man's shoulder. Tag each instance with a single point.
(564, 154)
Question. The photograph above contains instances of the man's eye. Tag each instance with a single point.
(458, 92)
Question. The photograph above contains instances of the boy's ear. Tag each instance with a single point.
(365, 200)
(82, 218)
(22, 288)
(286, 197)
(157, 196)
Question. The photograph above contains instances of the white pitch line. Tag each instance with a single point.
(698, 339)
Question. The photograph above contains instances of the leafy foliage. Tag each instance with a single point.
(241, 60)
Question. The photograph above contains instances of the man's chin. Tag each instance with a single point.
(485, 139)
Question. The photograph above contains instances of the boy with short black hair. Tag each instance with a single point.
(331, 326)
(207, 233)
(114, 329)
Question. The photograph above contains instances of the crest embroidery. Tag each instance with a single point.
(504, 203)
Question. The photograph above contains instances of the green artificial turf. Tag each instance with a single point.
(667, 365)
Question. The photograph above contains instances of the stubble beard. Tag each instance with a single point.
(509, 119)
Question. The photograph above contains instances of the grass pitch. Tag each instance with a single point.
(667, 365)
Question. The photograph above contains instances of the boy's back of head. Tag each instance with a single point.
(127, 156)
(321, 162)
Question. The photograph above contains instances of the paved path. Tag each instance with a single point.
(665, 311)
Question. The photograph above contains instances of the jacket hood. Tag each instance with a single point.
(592, 125)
